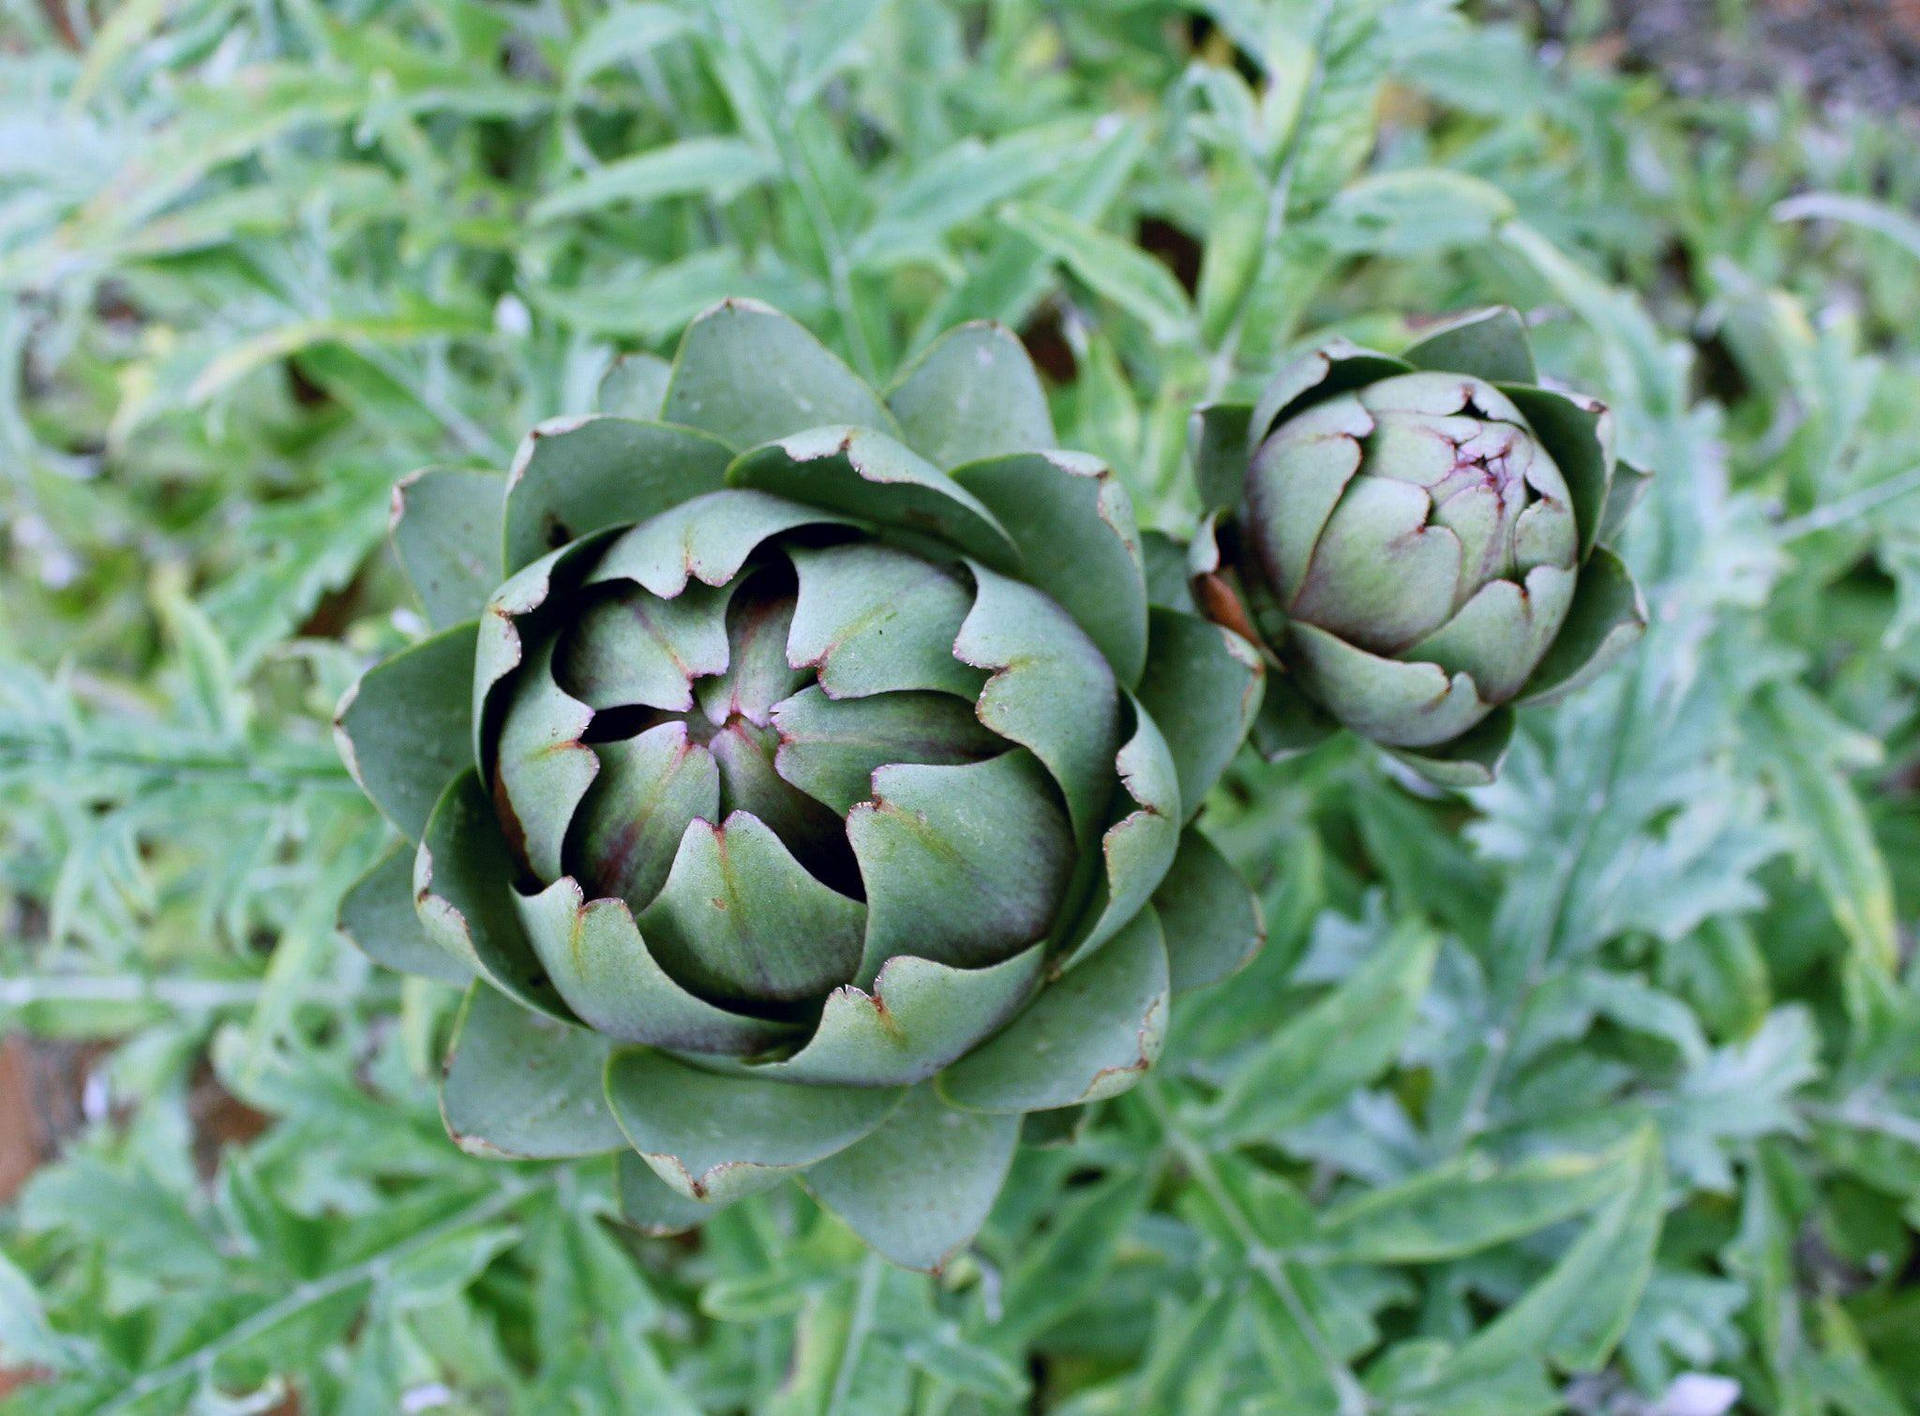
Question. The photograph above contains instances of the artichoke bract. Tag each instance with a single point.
(1417, 542)
(803, 781)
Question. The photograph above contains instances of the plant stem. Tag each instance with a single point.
(1265, 1262)
(188, 995)
(779, 123)
(320, 771)
(1825, 518)
(1220, 368)
(866, 1299)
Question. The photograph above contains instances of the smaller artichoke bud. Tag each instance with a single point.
(1415, 541)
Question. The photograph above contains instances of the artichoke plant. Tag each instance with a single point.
(1418, 543)
(802, 780)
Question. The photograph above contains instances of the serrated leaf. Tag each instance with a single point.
(1336, 1044)
(1577, 1313)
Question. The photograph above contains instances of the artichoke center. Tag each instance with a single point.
(1481, 498)
(734, 687)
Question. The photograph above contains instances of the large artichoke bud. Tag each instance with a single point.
(1417, 543)
(803, 779)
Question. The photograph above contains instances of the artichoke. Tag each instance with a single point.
(1417, 543)
(802, 781)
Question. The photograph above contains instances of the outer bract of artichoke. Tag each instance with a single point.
(1416, 543)
(801, 778)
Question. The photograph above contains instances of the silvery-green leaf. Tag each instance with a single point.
(1490, 344)
(524, 1085)
(378, 915)
(404, 728)
(748, 374)
(919, 1188)
(716, 1136)
(574, 476)
(1203, 686)
(446, 532)
(464, 894)
(1092, 1033)
(1210, 919)
(1073, 522)
(972, 393)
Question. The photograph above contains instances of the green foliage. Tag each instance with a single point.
(1543, 1096)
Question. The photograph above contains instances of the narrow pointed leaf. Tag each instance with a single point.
(1117, 269)
(1465, 1206)
(1347, 1038)
(721, 166)
(1577, 1314)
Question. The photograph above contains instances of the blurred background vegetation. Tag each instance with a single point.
(1595, 1091)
